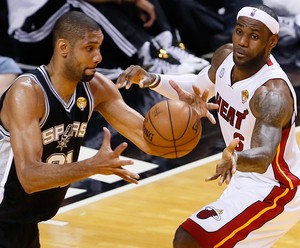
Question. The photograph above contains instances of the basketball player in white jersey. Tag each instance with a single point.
(257, 110)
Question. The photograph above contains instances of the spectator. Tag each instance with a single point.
(289, 18)
(9, 70)
(209, 25)
(129, 39)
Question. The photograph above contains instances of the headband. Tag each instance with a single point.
(262, 16)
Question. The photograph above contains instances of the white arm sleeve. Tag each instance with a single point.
(201, 80)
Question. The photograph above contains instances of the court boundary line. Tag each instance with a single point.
(143, 182)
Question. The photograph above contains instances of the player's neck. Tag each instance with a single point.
(63, 86)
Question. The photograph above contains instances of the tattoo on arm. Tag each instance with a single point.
(272, 105)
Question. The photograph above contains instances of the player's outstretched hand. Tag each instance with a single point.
(197, 100)
(226, 167)
(108, 161)
(135, 74)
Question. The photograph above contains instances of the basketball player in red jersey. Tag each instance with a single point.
(257, 111)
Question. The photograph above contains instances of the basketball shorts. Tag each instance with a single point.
(19, 235)
(247, 214)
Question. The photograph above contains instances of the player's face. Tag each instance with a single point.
(251, 39)
(85, 56)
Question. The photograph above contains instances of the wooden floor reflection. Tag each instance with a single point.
(147, 215)
(144, 216)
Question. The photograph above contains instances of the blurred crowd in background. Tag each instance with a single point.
(163, 36)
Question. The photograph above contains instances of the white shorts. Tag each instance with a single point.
(246, 215)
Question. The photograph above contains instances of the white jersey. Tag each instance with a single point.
(237, 121)
(256, 209)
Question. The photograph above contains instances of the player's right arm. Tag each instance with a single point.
(160, 83)
(23, 108)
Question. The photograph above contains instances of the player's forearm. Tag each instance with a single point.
(43, 176)
(185, 82)
(254, 160)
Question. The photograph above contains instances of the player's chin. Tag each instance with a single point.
(88, 76)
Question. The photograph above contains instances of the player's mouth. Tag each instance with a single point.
(90, 71)
(240, 53)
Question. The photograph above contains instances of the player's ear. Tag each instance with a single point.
(274, 40)
(63, 47)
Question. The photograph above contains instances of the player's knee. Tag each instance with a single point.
(183, 239)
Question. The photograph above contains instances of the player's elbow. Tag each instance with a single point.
(27, 183)
(263, 165)
(28, 187)
(262, 169)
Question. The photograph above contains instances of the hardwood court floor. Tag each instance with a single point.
(145, 216)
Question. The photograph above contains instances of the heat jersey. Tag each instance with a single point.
(63, 127)
(237, 121)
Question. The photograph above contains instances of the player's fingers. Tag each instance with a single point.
(234, 164)
(228, 177)
(196, 90)
(212, 106)
(213, 177)
(127, 175)
(211, 118)
(128, 84)
(106, 139)
(175, 86)
(182, 94)
(233, 144)
(121, 82)
(122, 79)
(120, 149)
(129, 79)
(204, 95)
(145, 82)
(233, 170)
(222, 179)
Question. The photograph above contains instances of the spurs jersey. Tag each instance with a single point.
(237, 121)
(63, 127)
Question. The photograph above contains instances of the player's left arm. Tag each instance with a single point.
(124, 119)
(272, 105)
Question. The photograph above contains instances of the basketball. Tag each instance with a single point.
(173, 128)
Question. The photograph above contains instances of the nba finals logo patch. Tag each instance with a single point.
(245, 96)
(81, 103)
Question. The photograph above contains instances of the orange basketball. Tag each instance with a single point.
(173, 128)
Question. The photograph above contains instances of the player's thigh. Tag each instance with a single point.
(274, 229)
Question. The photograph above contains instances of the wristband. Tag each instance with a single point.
(156, 82)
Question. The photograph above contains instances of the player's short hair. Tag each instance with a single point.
(73, 26)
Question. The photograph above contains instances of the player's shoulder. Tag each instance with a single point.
(101, 83)
(24, 93)
(25, 84)
(103, 88)
(220, 54)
